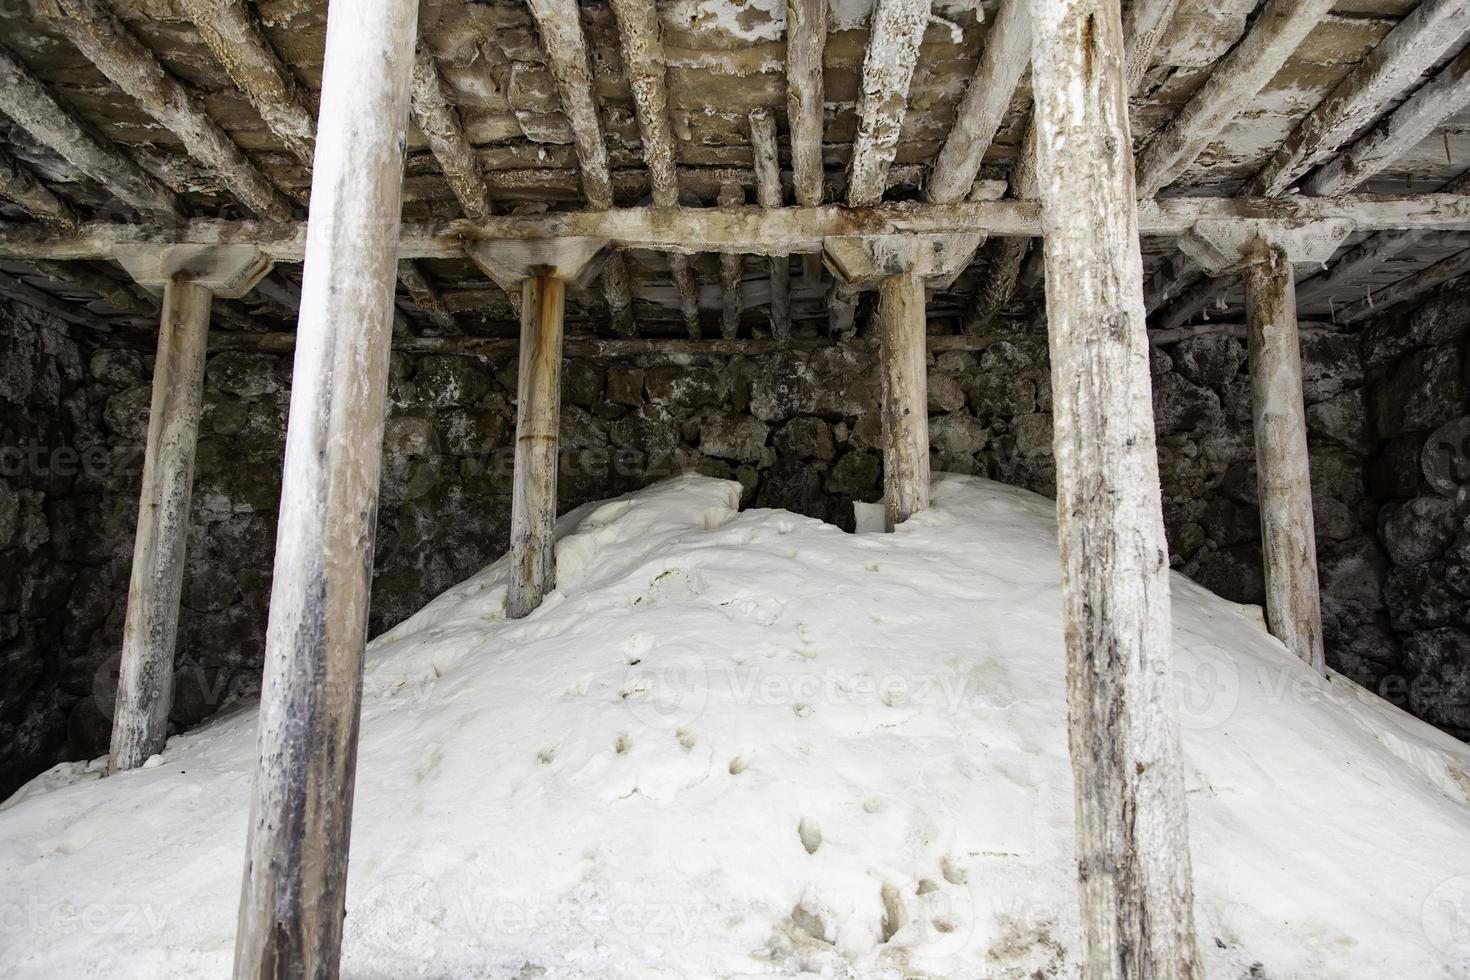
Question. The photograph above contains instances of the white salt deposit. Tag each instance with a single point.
(748, 744)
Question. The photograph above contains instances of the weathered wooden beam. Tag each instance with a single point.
(806, 40)
(905, 406)
(1288, 542)
(1410, 287)
(1193, 299)
(538, 419)
(754, 230)
(106, 42)
(145, 677)
(895, 32)
(1395, 63)
(437, 118)
(768, 195)
(600, 348)
(293, 899)
(121, 296)
(1236, 79)
(230, 29)
(1434, 102)
(980, 112)
(1144, 24)
(20, 291)
(25, 100)
(560, 25)
(1134, 883)
(1368, 255)
(20, 185)
(732, 266)
(645, 68)
(425, 296)
(682, 272)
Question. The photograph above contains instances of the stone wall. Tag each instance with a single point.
(1420, 413)
(798, 430)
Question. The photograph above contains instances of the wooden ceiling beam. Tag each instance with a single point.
(436, 116)
(755, 230)
(895, 32)
(1434, 102)
(32, 106)
(559, 23)
(768, 194)
(1004, 59)
(1276, 32)
(108, 44)
(1395, 63)
(1410, 287)
(19, 184)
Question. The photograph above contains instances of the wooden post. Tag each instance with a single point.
(538, 418)
(145, 679)
(1288, 543)
(901, 329)
(293, 899)
(1134, 879)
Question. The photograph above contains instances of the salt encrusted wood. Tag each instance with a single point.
(538, 414)
(112, 48)
(23, 187)
(437, 118)
(1135, 889)
(145, 677)
(979, 114)
(1407, 288)
(895, 31)
(234, 36)
(646, 69)
(26, 101)
(806, 40)
(1233, 82)
(559, 23)
(121, 296)
(1395, 63)
(1284, 483)
(1403, 129)
(24, 293)
(732, 265)
(292, 903)
(768, 195)
(753, 230)
(425, 296)
(904, 363)
(1143, 26)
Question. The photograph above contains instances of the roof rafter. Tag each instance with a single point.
(24, 99)
(1277, 31)
(560, 25)
(1394, 64)
(19, 184)
(106, 42)
(895, 32)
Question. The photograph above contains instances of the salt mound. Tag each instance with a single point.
(739, 744)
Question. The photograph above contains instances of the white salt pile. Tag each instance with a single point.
(748, 744)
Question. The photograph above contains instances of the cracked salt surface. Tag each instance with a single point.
(747, 744)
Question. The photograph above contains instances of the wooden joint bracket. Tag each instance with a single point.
(1224, 247)
(227, 271)
(864, 261)
(509, 262)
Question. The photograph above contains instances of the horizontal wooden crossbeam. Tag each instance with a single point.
(752, 230)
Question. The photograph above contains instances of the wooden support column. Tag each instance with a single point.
(1134, 879)
(905, 406)
(898, 265)
(145, 678)
(1288, 542)
(292, 902)
(538, 418)
(189, 278)
(541, 269)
